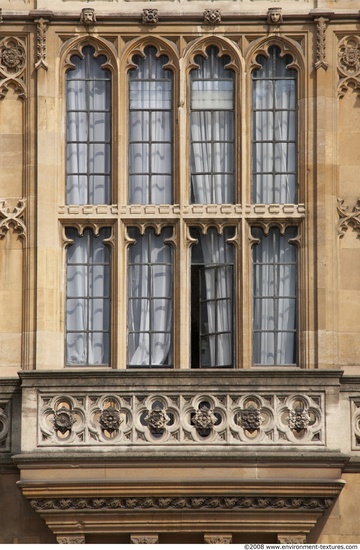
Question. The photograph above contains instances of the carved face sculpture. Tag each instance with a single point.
(88, 16)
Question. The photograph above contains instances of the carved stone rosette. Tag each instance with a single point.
(12, 217)
(41, 44)
(150, 16)
(110, 420)
(156, 420)
(349, 64)
(63, 420)
(299, 419)
(213, 17)
(348, 218)
(321, 44)
(204, 419)
(12, 66)
(250, 419)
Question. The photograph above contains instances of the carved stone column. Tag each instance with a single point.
(217, 538)
(291, 538)
(70, 539)
(144, 538)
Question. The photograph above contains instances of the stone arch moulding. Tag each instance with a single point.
(74, 46)
(225, 46)
(163, 47)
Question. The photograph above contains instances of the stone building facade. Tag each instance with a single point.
(179, 271)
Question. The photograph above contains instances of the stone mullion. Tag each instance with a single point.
(120, 294)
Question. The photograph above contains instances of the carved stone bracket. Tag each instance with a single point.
(12, 66)
(215, 538)
(274, 16)
(41, 44)
(144, 538)
(71, 539)
(12, 217)
(348, 218)
(349, 64)
(213, 17)
(218, 502)
(88, 17)
(321, 44)
(150, 16)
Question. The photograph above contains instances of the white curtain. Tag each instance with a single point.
(216, 318)
(88, 152)
(274, 131)
(212, 131)
(150, 299)
(88, 299)
(275, 302)
(150, 131)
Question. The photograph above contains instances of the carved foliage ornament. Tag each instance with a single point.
(218, 539)
(298, 419)
(156, 420)
(213, 17)
(12, 66)
(348, 218)
(144, 539)
(250, 419)
(183, 503)
(349, 64)
(321, 44)
(150, 17)
(78, 539)
(110, 420)
(12, 217)
(63, 420)
(41, 44)
(204, 419)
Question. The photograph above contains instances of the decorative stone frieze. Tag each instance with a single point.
(274, 16)
(349, 64)
(348, 218)
(213, 17)
(218, 502)
(144, 539)
(321, 44)
(12, 66)
(76, 539)
(12, 216)
(217, 538)
(41, 44)
(186, 419)
(150, 16)
(88, 17)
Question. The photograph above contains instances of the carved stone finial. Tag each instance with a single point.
(110, 420)
(298, 419)
(88, 17)
(150, 16)
(213, 17)
(63, 420)
(321, 44)
(12, 217)
(274, 16)
(250, 419)
(204, 419)
(41, 44)
(156, 420)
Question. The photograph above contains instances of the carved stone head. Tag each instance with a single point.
(274, 16)
(88, 16)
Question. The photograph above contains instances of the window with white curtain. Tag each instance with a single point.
(150, 294)
(150, 130)
(88, 130)
(212, 299)
(274, 297)
(212, 130)
(88, 286)
(274, 129)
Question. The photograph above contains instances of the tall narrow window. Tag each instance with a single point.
(88, 130)
(150, 309)
(212, 304)
(88, 298)
(150, 130)
(212, 130)
(275, 297)
(274, 130)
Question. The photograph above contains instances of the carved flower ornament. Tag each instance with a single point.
(204, 419)
(63, 420)
(298, 419)
(250, 419)
(157, 420)
(110, 420)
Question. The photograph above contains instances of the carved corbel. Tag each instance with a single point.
(41, 44)
(12, 66)
(150, 16)
(321, 44)
(349, 65)
(274, 16)
(12, 217)
(213, 17)
(348, 218)
(88, 17)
